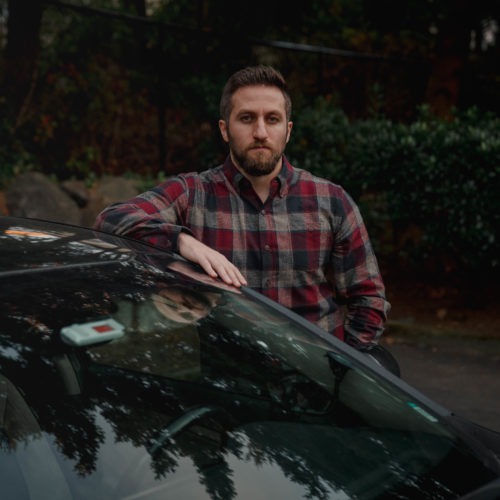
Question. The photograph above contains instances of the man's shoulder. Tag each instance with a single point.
(302, 176)
(207, 176)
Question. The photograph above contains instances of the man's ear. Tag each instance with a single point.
(289, 133)
(223, 130)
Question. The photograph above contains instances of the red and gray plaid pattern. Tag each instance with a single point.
(306, 247)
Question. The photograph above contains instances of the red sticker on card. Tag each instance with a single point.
(102, 328)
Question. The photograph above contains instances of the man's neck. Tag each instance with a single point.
(261, 184)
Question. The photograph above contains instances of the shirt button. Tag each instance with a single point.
(262, 212)
(267, 247)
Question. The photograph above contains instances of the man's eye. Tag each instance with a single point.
(246, 118)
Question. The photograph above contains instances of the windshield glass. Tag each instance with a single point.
(243, 349)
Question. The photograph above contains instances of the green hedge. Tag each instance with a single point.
(428, 189)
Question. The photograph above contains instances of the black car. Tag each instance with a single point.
(125, 372)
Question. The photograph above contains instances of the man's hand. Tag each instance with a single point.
(212, 262)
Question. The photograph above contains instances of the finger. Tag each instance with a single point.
(208, 268)
(222, 271)
(212, 262)
(227, 271)
(241, 279)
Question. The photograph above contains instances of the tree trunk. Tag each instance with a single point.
(448, 63)
(21, 55)
(136, 7)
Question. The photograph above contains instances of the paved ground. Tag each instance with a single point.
(459, 372)
(447, 345)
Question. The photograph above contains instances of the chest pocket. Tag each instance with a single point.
(307, 244)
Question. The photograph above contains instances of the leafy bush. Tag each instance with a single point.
(14, 159)
(428, 189)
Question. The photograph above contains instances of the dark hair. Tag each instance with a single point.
(253, 75)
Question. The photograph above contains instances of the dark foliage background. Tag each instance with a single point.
(396, 100)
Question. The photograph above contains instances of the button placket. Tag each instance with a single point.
(265, 252)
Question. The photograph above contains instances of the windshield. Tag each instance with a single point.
(244, 350)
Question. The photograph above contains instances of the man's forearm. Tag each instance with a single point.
(125, 219)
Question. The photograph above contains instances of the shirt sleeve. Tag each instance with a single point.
(155, 216)
(359, 284)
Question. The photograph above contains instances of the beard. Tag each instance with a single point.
(258, 165)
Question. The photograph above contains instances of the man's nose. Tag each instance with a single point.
(260, 129)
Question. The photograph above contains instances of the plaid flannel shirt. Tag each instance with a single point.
(306, 247)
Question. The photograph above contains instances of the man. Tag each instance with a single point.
(258, 221)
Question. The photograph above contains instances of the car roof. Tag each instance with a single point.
(38, 241)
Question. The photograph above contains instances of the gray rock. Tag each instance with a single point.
(77, 190)
(34, 195)
(106, 191)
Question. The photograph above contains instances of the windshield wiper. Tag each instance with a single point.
(182, 422)
(339, 366)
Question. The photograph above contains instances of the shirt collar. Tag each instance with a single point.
(235, 177)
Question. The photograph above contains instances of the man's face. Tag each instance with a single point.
(258, 130)
(184, 305)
